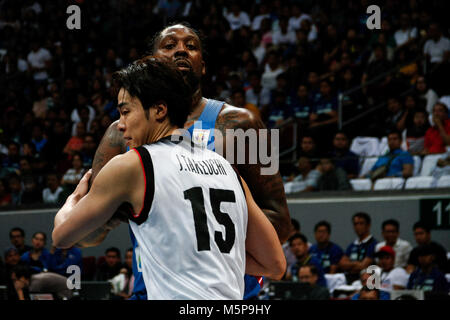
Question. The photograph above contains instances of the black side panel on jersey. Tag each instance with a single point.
(147, 165)
(239, 179)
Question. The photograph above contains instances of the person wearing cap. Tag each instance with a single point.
(391, 278)
(427, 276)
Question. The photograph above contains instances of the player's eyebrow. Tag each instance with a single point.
(120, 105)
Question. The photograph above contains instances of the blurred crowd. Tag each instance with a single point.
(286, 61)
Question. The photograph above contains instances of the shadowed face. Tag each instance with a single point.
(182, 46)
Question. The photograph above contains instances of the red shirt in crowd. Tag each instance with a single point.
(433, 140)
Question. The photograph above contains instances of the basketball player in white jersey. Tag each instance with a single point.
(193, 217)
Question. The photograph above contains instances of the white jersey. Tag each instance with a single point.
(191, 230)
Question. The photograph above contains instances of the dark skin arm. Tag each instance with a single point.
(267, 190)
(111, 145)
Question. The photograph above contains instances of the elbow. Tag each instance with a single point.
(59, 241)
(278, 269)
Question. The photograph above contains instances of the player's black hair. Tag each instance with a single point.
(153, 42)
(323, 223)
(362, 215)
(153, 81)
(391, 222)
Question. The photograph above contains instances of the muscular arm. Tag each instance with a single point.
(267, 190)
(111, 145)
(264, 255)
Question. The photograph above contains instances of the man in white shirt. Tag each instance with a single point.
(406, 33)
(390, 230)
(391, 278)
(284, 36)
(437, 48)
(38, 60)
(295, 22)
(237, 18)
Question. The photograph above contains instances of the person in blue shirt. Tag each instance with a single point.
(401, 163)
(428, 277)
(38, 258)
(299, 247)
(61, 259)
(328, 253)
(343, 157)
(361, 252)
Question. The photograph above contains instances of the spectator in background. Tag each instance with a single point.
(308, 148)
(415, 133)
(73, 175)
(428, 277)
(360, 253)
(12, 259)
(306, 180)
(406, 34)
(123, 283)
(17, 238)
(391, 278)
(437, 137)
(51, 194)
(38, 258)
(437, 52)
(238, 99)
(290, 257)
(390, 229)
(369, 294)
(295, 21)
(332, 178)
(278, 110)
(362, 283)
(88, 151)
(75, 143)
(41, 103)
(302, 107)
(237, 18)
(57, 140)
(39, 60)
(327, 252)
(38, 138)
(424, 92)
(272, 69)
(343, 157)
(61, 259)
(15, 187)
(5, 196)
(11, 160)
(31, 192)
(398, 163)
(283, 37)
(374, 69)
(256, 94)
(422, 234)
(299, 247)
(25, 281)
(110, 267)
(310, 274)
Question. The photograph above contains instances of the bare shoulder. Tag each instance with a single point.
(231, 117)
(123, 165)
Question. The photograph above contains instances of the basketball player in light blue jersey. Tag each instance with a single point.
(182, 45)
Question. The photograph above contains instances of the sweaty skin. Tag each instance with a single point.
(180, 45)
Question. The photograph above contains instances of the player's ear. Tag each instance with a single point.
(160, 110)
(203, 68)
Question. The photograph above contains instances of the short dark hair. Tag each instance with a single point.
(398, 133)
(300, 236)
(323, 223)
(391, 222)
(43, 234)
(362, 215)
(151, 81)
(422, 225)
(113, 249)
(22, 233)
(366, 289)
(312, 268)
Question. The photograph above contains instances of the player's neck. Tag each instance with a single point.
(164, 130)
